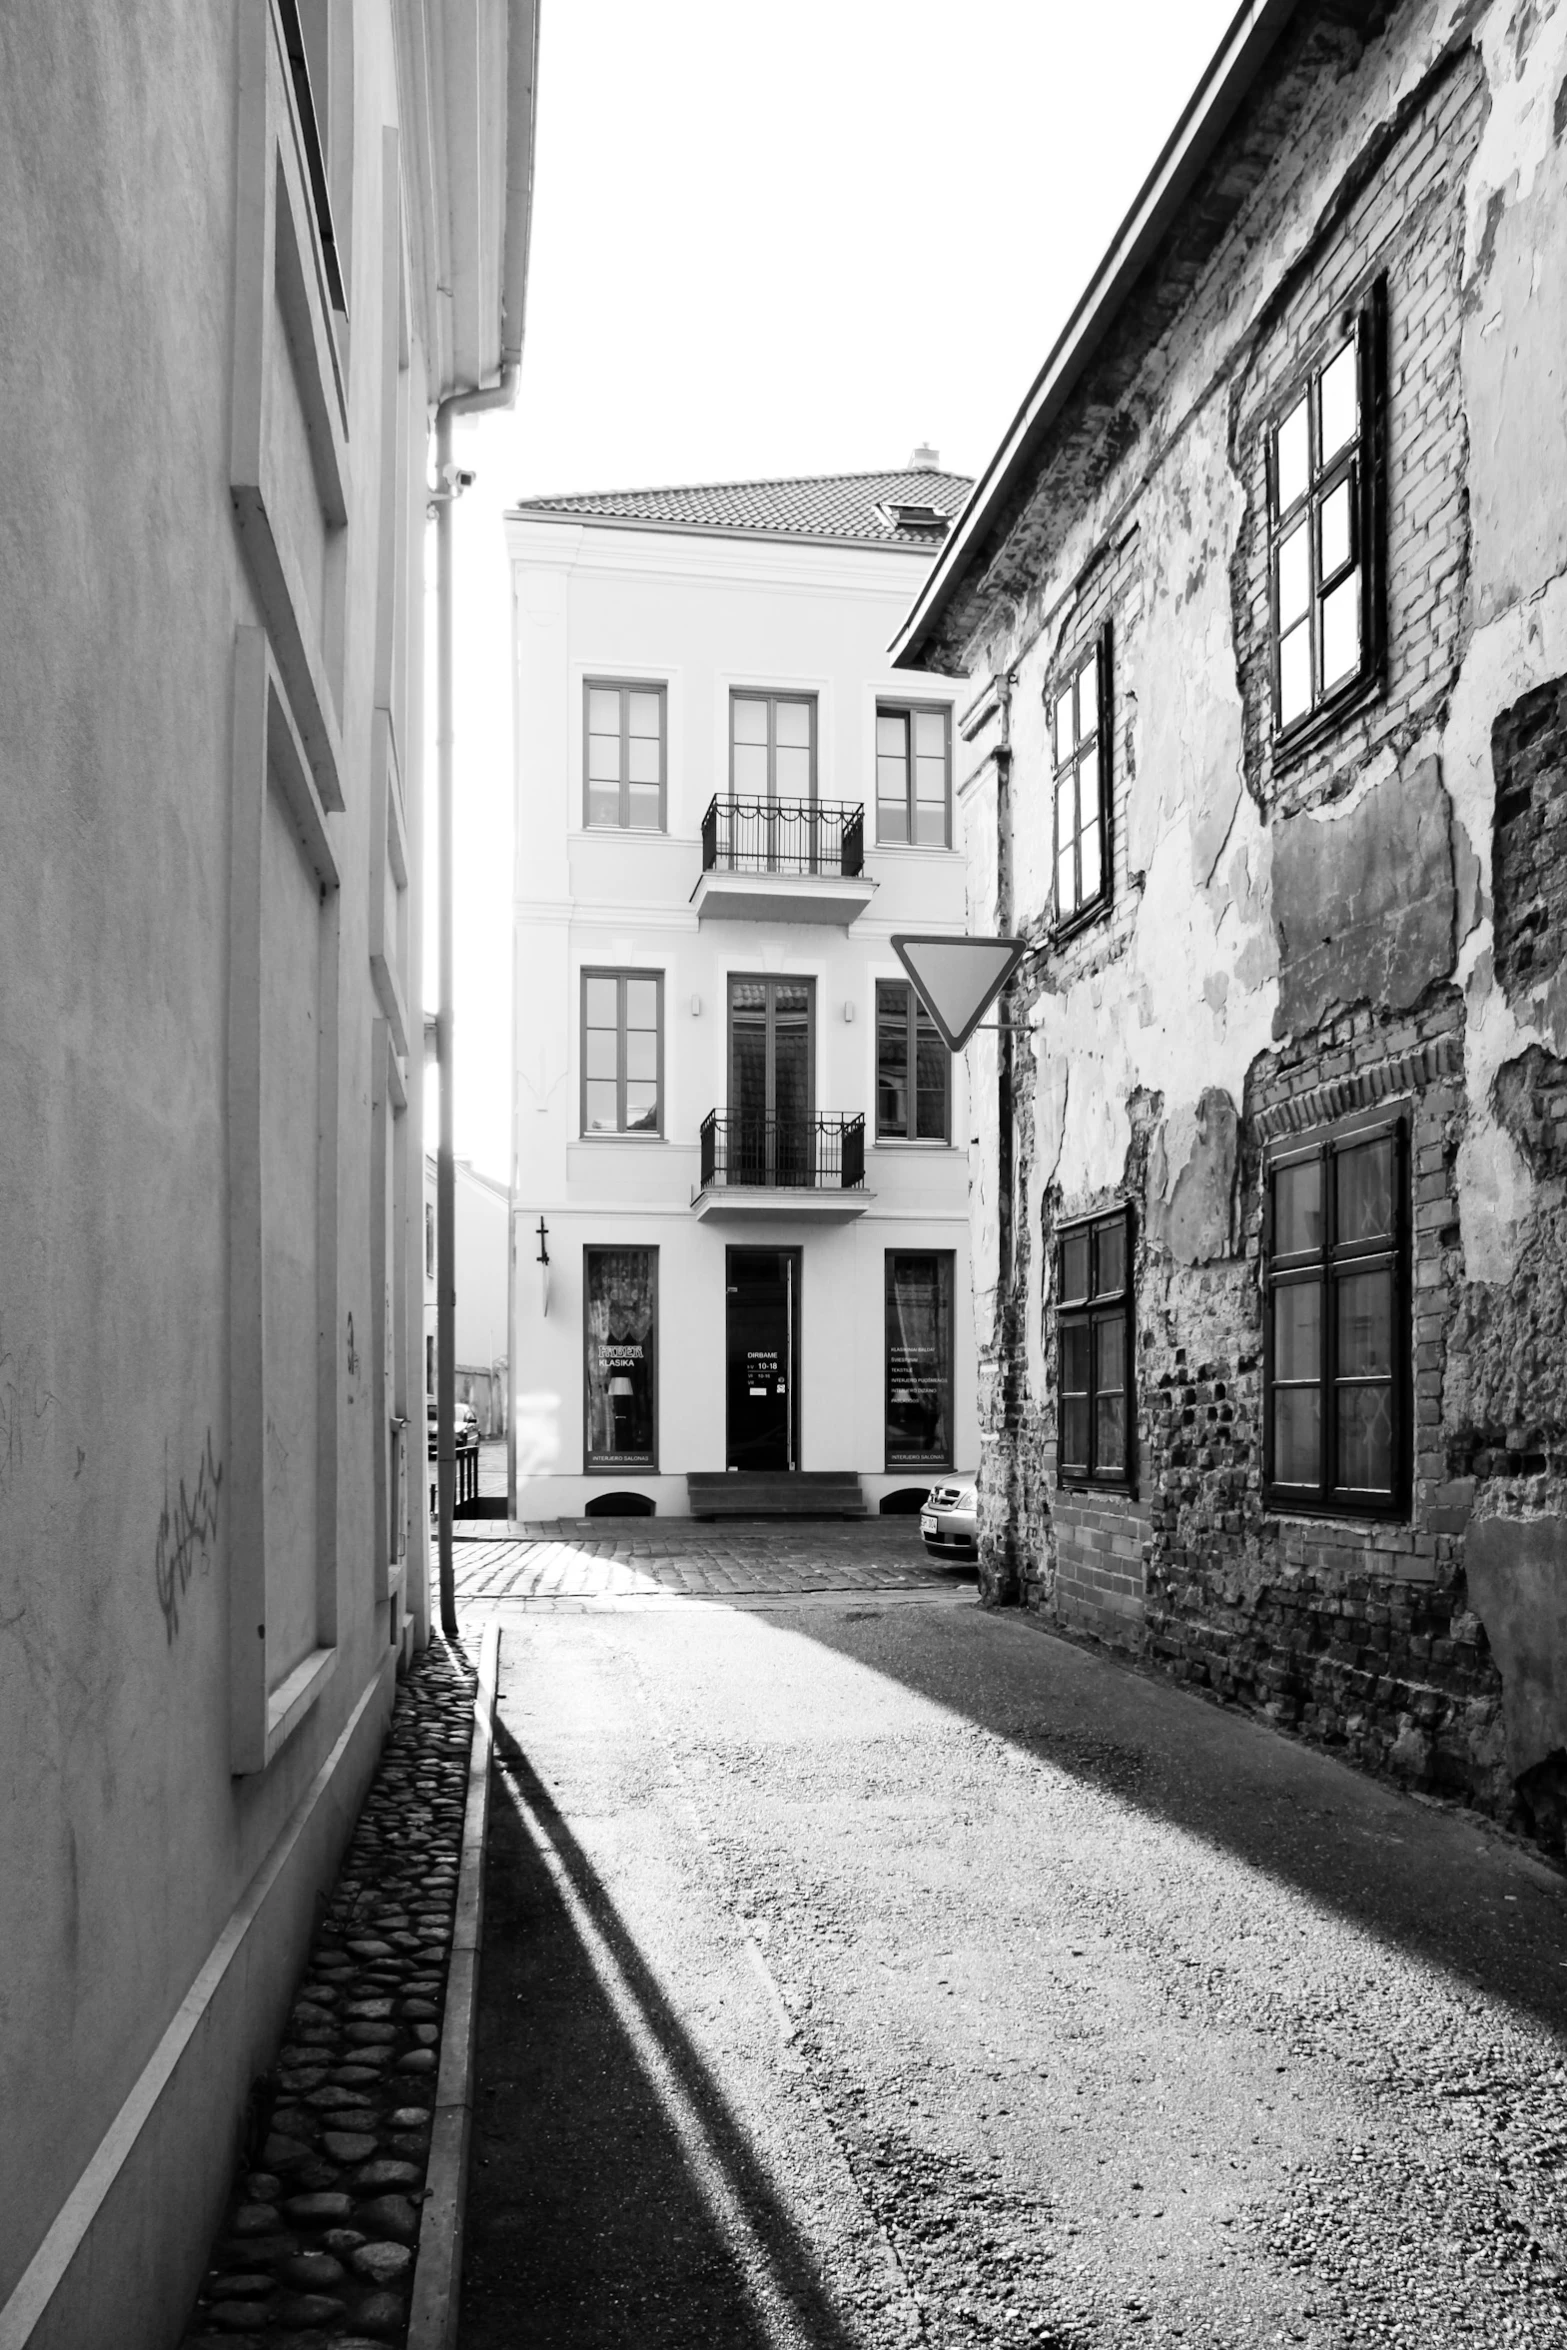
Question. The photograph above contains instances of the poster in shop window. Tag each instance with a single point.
(621, 1303)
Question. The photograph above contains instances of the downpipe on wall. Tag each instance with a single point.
(449, 486)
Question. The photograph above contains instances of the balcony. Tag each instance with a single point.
(782, 861)
(756, 1164)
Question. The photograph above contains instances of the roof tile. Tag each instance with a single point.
(860, 506)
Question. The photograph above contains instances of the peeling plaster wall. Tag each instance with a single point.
(1289, 940)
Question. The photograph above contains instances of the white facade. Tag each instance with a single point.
(706, 615)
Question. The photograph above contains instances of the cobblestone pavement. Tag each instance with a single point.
(862, 1972)
(317, 2246)
(599, 1558)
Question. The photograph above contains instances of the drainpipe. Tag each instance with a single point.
(449, 486)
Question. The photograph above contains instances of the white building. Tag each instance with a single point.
(747, 1145)
(480, 1226)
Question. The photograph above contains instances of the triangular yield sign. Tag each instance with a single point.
(958, 979)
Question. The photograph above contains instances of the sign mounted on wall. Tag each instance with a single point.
(958, 979)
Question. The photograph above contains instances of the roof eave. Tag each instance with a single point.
(1229, 76)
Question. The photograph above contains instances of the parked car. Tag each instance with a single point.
(465, 1434)
(949, 1522)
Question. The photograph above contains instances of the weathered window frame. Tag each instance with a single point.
(1089, 669)
(622, 1132)
(907, 712)
(1099, 1303)
(915, 1018)
(1360, 462)
(625, 687)
(1323, 1267)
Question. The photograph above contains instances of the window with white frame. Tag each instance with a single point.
(913, 775)
(622, 1052)
(624, 738)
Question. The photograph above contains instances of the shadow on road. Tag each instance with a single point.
(1429, 1880)
(605, 2158)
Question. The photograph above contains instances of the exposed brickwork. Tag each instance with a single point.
(1405, 224)
(1101, 1545)
(1529, 848)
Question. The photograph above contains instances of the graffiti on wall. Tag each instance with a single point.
(186, 1529)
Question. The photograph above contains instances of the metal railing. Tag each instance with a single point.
(783, 836)
(757, 1147)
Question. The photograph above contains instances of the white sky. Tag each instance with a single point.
(773, 241)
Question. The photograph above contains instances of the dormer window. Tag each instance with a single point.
(926, 522)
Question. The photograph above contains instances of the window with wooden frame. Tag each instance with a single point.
(1094, 1351)
(1324, 567)
(772, 746)
(1336, 1322)
(913, 1068)
(622, 1052)
(1080, 742)
(624, 739)
(913, 775)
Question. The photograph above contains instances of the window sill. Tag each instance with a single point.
(293, 1697)
(1334, 1513)
(641, 1141)
(911, 1142)
(1307, 734)
(1083, 920)
(1113, 1489)
(910, 848)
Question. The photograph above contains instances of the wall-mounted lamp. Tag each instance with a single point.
(543, 1261)
(848, 1013)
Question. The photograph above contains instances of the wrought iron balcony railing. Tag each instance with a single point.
(758, 1148)
(784, 836)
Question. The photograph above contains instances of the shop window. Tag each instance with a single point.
(1080, 740)
(1094, 1333)
(913, 1068)
(913, 775)
(622, 1052)
(1323, 534)
(620, 1335)
(919, 1360)
(1336, 1333)
(625, 755)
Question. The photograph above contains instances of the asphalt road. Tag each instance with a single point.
(869, 1969)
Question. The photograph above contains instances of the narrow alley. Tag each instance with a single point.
(864, 1967)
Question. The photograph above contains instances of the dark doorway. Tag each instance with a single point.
(763, 1328)
(771, 1088)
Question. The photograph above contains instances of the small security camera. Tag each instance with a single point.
(462, 479)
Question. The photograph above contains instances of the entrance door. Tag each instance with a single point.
(762, 1340)
(771, 1089)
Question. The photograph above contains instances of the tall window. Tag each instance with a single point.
(772, 746)
(919, 1360)
(625, 738)
(429, 1241)
(912, 1066)
(620, 1336)
(1080, 740)
(913, 775)
(1094, 1351)
(1336, 1345)
(622, 1052)
(1321, 530)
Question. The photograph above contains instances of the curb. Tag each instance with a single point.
(432, 2323)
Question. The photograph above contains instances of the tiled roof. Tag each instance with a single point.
(857, 506)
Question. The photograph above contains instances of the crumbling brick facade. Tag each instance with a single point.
(1330, 934)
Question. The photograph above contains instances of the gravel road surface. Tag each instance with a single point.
(870, 1969)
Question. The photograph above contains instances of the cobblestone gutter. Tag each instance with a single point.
(319, 2242)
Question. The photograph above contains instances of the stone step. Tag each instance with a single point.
(778, 1493)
